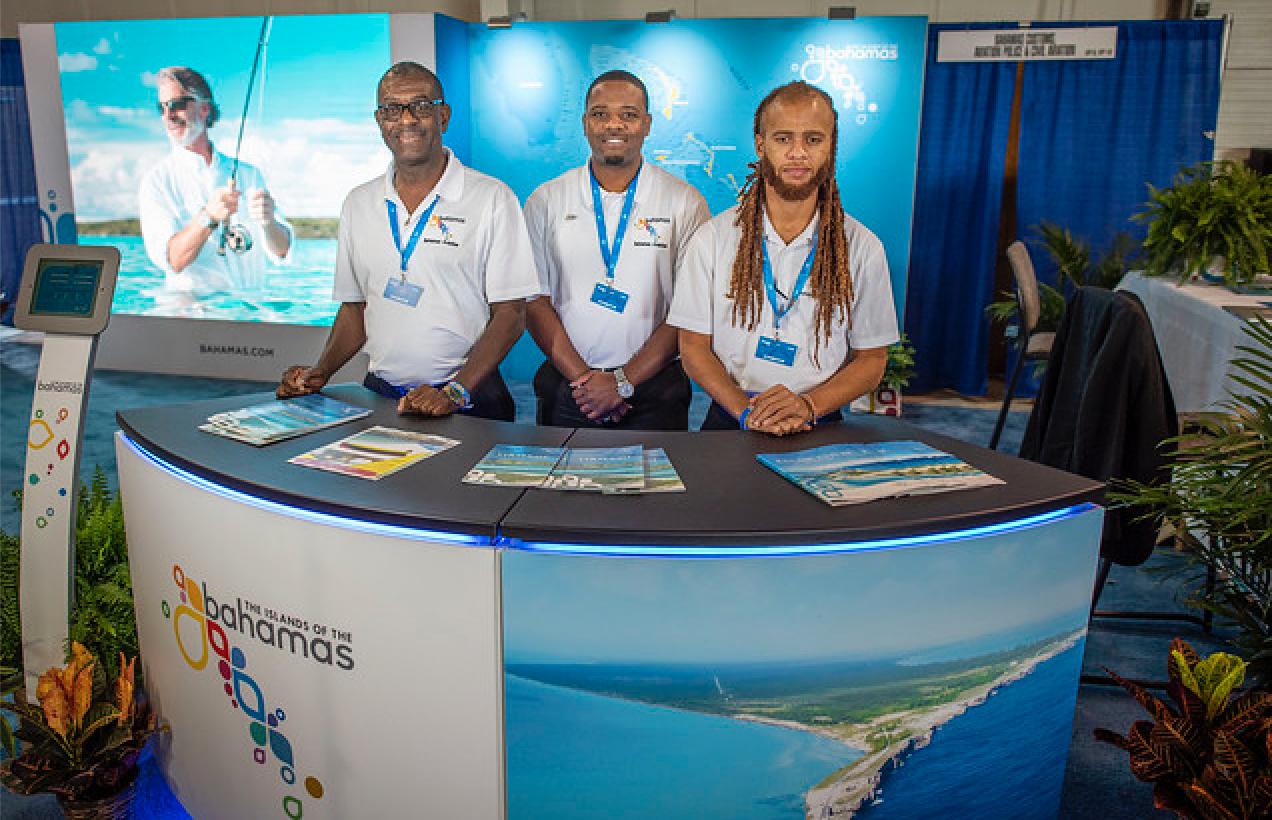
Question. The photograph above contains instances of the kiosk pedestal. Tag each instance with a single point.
(66, 292)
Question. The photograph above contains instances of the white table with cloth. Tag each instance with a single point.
(1198, 328)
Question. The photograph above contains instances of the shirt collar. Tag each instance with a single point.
(585, 182)
(450, 187)
(187, 158)
(805, 236)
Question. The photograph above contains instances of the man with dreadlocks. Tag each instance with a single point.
(784, 301)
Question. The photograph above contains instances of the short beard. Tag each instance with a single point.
(192, 133)
(613, 160)
(788, 192)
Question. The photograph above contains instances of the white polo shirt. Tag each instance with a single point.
(562, 223)
(701, 306)
(473, 251)
(172, 193)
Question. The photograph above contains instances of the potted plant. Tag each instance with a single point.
(1212, 211)
(82, 741)
(1208, 755)
(1221, 489)
(102, 616)
(886, 398)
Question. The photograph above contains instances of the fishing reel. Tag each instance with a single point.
(235, 237)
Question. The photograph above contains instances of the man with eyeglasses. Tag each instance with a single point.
(433, 268)
(207, 225)
(607, 239)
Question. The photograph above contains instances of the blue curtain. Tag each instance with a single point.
(962, 148)
(19, 212)
(1095, 133)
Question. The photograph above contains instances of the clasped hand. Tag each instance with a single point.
(596, 394)
(779, 411)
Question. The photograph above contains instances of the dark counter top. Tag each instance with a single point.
(731, 499)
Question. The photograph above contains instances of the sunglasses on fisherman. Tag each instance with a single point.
(420, 109)
(178, 104)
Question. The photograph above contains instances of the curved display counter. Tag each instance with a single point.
(326, 646)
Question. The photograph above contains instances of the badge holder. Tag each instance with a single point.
(65, 293)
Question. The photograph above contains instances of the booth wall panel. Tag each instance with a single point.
(1245, 111)
(405, 713)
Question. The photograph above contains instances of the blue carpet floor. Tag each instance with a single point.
(1098, 783)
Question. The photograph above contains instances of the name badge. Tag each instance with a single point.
(403, 292)
(778, 352)
(609, 297)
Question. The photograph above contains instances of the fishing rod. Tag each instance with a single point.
(236, 236)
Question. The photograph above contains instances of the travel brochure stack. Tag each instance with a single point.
(852, 473)
(613, 470)
(272, 421)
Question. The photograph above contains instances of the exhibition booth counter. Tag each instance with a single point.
(327, 646)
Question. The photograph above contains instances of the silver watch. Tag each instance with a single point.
(625, 388)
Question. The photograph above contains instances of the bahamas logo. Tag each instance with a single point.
(651, 235)
(201, 639)
(442, 230)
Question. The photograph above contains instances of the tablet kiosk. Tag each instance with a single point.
(66, 293)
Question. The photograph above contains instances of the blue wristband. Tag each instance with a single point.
(458, 394)
(742, 418)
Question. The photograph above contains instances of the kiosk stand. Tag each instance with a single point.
(66, 293)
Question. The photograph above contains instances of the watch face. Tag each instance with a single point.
(625, 390)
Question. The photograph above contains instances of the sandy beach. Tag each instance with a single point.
(847, 790)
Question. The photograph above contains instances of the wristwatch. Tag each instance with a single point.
(625, 388)
(208, 221)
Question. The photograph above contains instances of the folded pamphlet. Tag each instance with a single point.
(261, 424)
(852, 473)
(374, 452)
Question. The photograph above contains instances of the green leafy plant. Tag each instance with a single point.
(83, 740)
(1072, 257)
(1208, 756)
(1213, 209)
(900, 367)
(102, 616)
(1221, 488)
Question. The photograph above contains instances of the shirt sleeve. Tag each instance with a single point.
(159, 219)
(693, 216)
(691, 303)
(510, 272)
(536, 215)
(874, 316)
(345, 286)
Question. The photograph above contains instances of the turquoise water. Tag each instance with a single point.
(574, 755)
(298, 293)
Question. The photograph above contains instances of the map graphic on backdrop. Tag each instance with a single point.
(705, 79)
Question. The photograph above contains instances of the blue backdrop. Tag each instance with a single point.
(19, 219)
(1094, 134)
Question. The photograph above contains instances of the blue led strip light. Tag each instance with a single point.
(800, 549)
(326, 519)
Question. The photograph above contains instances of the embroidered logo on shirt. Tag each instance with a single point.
(654, 228)
(441, 230)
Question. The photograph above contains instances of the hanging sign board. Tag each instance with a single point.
(1024, 44)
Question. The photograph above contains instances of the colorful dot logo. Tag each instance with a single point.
(200, 639)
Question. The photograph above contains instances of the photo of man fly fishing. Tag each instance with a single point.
(219, 172)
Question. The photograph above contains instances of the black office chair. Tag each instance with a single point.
(1031, 346)
(1105, 411)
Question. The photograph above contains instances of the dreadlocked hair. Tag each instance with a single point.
(830, 280)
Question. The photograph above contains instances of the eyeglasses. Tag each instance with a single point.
(178, 104)
(420, 109)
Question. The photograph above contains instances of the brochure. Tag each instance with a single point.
(374, 452)
(852, 473)
(280, 419)
(600, 468)
(515, 465)
(660, 475)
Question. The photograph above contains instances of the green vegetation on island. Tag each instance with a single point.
(305, 227)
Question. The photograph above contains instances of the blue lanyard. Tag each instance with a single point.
(415, 234)
(770, 287)
(610, 254)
